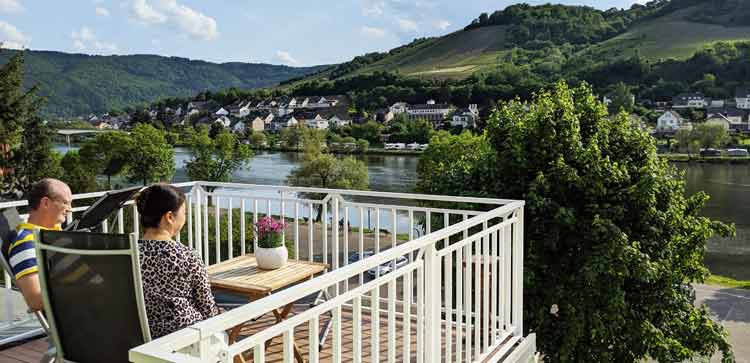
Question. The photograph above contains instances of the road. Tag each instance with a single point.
(731, 307)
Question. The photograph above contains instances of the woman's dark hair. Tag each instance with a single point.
(157, 200)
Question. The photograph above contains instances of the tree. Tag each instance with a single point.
(257, 139)
(108, 154)
(362, 145)
(403, 130)
(35, 158)
(151, 157)
(77, 174)
(683, 138)
(622, 99)
(292, 136)
(323, 170)
(216, 159)
(612, 242)
(18, 107)
(710, 136)
(369, 131)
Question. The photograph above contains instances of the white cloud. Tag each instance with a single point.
(407, 25)
(371, 32)
(442, 24)
(195, 23)
(188, 20)
(11, 37)
(85, 40)
(100, 11)
(373, 8)
(286, 58)
(11, 6)
(144, 12)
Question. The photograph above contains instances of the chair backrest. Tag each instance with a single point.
(9, 220)
(91, 287)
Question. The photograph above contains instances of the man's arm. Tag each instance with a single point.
(31, 291)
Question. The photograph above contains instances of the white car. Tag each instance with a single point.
(388, 266)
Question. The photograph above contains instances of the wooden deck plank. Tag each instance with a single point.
(33, 351)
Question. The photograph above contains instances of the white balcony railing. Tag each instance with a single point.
(459, 298)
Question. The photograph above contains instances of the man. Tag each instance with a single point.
(50, 202)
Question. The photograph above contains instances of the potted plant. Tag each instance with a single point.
(272, 252)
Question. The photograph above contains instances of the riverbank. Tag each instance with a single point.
(370, 151)
(723, 281)
(685, 158)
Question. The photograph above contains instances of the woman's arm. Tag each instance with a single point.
(203, 298)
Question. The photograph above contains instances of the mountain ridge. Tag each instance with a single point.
(76, 84)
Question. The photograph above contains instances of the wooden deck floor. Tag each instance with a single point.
(33, 351)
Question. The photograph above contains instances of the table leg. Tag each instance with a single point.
(327, 327)
(280, 316)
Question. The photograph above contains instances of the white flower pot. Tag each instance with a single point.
(271, 258)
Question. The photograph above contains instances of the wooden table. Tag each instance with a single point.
(242, 276)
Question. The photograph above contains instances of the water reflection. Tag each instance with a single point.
(729, 189)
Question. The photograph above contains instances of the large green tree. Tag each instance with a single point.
(108, 154)
(35, 159)
(18, 108)
(77, 174)
(612, 242)
(217, 158)
(324, 170)
(151, 157)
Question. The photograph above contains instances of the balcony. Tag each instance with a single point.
(458, 296)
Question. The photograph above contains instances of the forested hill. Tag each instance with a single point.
(76, 84)
(563, 36)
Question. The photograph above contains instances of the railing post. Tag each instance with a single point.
(197, 220)
(432, 285)
(518, 273)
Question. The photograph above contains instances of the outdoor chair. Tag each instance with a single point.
(92, 293)
(9, 219)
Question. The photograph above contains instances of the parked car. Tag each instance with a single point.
(738, 152)
(388, 266)
(355, 256)
(710, 152)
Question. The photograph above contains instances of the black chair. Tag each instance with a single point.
(91, 287)
(9, 219)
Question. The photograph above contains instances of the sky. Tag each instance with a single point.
(295, 33)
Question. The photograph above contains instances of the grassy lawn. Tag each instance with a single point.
(728, 282)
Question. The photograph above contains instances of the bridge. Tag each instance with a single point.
(70, 132)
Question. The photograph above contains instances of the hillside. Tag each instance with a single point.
(77, 84)
(678, 34)
(657, 30)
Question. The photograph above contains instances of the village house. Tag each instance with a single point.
(671, 121)
(102, 125)
(399, 108)
(429, 111)
(466, 117)
(384, 116)
(742, 97)
(258, 124)
(730, 120)
(340, 120)
(607, 99)
(198, 105)
(239, 109)
(282, 122)
(239, 127)
(223, 121)
(221, 112)
(690, 100)
(318, 122)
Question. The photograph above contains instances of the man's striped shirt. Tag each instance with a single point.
(21, 254)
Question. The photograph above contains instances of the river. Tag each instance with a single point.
(727, 185)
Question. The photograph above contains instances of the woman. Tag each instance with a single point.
(175, 283)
